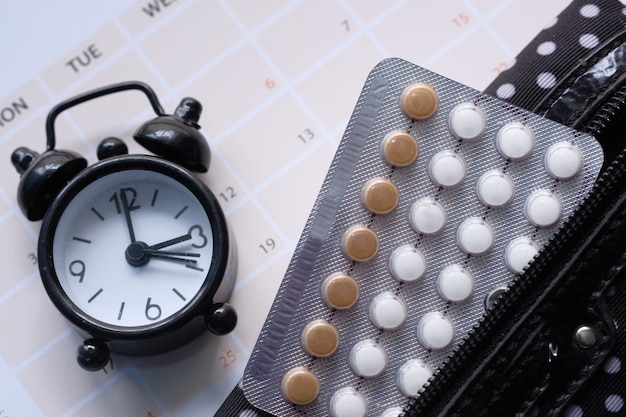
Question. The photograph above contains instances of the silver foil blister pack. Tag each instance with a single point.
(436, 199)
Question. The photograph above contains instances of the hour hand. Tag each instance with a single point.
(127, 208)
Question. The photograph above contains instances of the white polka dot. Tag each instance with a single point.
(614, 403)
(505, 91)
(546, 80)
(588, 40)
(551, 23)
(546, 48)
(589, 10)
(573, 411)
(612, 365)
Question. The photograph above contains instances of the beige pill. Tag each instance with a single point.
(340, 291)
(300, 386)
(379, 195)
(360, 243)
(320, 338)
(399, 148)
(419, 101)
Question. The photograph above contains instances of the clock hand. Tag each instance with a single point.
(127, 209)
(138, 254)
(175, 259)
(170, 242)
(170, 253)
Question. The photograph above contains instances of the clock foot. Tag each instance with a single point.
(221, 318)
(93, 355)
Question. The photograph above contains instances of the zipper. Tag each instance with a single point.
(467, 364)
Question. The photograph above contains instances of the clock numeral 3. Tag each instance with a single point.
(202, 241)
(153, 311)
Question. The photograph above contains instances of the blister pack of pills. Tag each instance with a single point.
(436, 200)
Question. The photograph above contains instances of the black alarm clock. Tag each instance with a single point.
(133, 250)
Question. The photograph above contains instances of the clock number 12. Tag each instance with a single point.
(124, 195)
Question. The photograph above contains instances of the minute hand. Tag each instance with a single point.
(170, 242)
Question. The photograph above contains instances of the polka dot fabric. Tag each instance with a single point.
(544, 66)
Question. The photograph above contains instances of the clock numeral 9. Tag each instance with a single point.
(153, 311)
(77, 269)
(268, 246)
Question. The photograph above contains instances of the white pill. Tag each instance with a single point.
(347, 402)
(407, 263)
(435, 331)
(412, 376)
(475, 236)
(563, 160)
(427, 216)
(455, 283)
(515, 141)
(388, 311)
(392, 412)
(467, 121)
(447, 169)
(368, 359)
(543, 208)
(519, 252)
(495, 189)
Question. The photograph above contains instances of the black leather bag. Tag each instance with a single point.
(555, 343)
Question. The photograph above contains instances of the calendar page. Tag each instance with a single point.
(278, 80)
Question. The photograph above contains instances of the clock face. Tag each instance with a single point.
(132, 248)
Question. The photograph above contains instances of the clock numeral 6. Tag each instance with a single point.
(153, 311)
(77, 269)
(228, 359)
